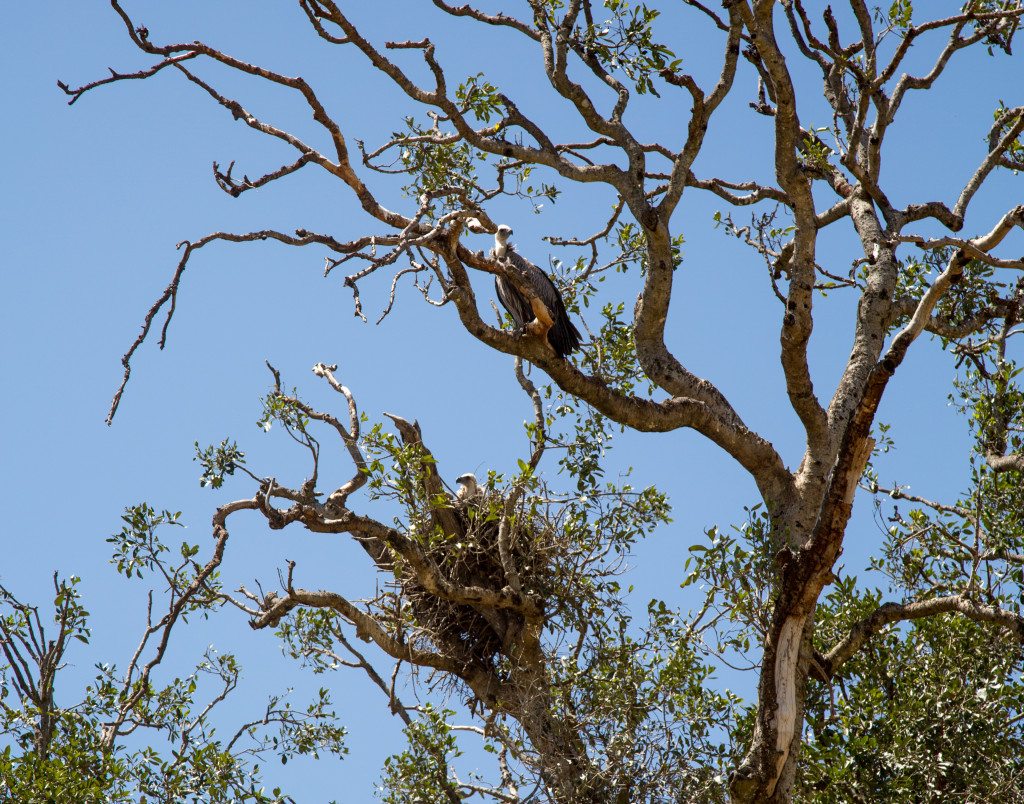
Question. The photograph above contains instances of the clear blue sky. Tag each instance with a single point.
(96, 196)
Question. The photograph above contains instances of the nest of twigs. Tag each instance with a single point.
(472, 558)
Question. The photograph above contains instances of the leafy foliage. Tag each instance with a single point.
(625, 41)
(218, 462)
(138, 546)
(437, 163)
(479, 96)
(418, 775)
(928, 713)
(81, 750)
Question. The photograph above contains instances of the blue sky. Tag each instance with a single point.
(97, 195)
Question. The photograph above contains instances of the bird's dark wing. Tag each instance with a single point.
(563, 336)
(513, 301)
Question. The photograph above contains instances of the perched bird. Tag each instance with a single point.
(562, 335)
(468, 487)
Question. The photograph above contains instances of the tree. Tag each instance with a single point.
(498, 596)
(85, 751)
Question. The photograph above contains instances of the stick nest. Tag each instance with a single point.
(473, 558)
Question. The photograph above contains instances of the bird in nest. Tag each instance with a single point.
(469, 488)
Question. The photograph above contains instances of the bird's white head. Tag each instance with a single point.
(467, 485)
(501, 240)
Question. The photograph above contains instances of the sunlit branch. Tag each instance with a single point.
(499, 19)
(136, 680)
(908, 38)
(955, 42)
(235, 188)
(890, 613)
(705, 412)
(275, 607)
(170, 294)
(78, 92)
(755, 192)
